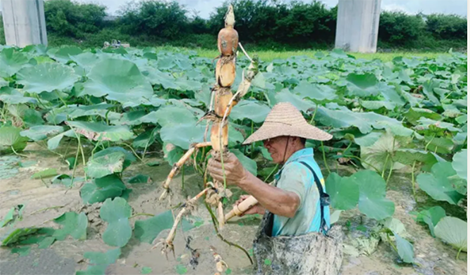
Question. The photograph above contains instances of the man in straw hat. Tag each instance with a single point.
(295, 209)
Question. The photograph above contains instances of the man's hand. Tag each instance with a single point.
(234, 170)
(256, 209)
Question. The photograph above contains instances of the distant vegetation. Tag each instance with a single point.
(264, 24)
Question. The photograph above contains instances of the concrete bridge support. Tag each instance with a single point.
(357, 26)
(24, 22)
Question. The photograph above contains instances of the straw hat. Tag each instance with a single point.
(285, 120)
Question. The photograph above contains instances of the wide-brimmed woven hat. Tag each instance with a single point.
(285, 120)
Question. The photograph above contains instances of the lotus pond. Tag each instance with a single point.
(88, 136)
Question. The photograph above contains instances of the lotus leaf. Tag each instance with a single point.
(11, 62)
(372, 201)
(73, 224)
(116, 213)
(10, 139)
(452, 231)
(98, 191)
(344, 192)
(459, 163)
(47, 77)
(437, 184)
(101, 131)
(118, 80)
(431, 217)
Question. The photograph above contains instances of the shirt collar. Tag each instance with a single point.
(300, 154)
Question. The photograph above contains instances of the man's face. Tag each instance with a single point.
(276, 147)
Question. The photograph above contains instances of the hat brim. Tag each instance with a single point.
(272, 130)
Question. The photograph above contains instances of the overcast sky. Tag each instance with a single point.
(206, 7)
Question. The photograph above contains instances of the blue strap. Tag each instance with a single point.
(324, 199)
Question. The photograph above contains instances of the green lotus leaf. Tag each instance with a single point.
(12, 96)
(431, 217)
(452, 231)
(169, 115)
(11, 62)
(248, 163)
(426, 123)
(147, 230)
(47, 77)
(437, 183)
(405, 249)
(102, 188)
(157, 77)
(368, 139)
(316, 92)
(116, 213)
(461, 119)
(365, 122)
(372, 201)
(391, 95)
(101, 131)
(65, 53)
(428, 90)
(73, 224)
(105, 164)
(140, 179)
(459, 163)
(101, 110)
(362, 85)
(450, 110)
(374, 105)
(440, 145)
(48, 173)
(145, 139)
(129, 118)
(379, 155)
(3, 82)
(255, 111)
(99, 261)
(183, 135)
(396, 226)
(42, 132)
(172, 153)
(53, 143)
(286, 96)
(344, 192)
(86, 60)
(10, 139)
(119, 80)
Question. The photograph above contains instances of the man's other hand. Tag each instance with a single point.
(255, 209)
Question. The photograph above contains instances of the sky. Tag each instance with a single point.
(206, 7)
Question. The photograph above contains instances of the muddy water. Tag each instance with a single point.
(65, 257)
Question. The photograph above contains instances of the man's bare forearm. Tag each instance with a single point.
(275, 200)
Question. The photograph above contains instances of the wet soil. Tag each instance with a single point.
(45, 202)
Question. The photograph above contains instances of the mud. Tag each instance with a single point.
(66, 257)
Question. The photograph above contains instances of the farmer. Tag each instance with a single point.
(296, 220)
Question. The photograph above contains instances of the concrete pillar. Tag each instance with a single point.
(24, 22)
(357, 26)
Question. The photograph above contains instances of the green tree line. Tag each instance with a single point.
(268, 24)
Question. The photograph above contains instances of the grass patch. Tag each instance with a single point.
(269, 55)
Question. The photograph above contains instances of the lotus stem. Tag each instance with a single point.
(413, 180)
(132, 149)
(324, 158)
(390, 171)
(141, 214)
(214, 222)
(16, 153)
(270, 173)
(247, 56)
